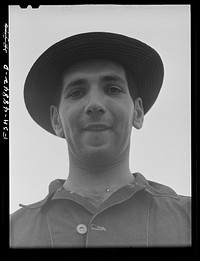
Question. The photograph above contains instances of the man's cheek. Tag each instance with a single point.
(74, 130)
(123, 129)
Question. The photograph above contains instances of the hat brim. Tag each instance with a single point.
(41, 84)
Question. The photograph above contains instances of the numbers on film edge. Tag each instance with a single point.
(5, 96)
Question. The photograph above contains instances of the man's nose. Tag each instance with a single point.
(95, 106)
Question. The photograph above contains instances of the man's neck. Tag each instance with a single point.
(91, 180)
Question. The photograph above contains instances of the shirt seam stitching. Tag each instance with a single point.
(49, 229)
(162, 195)
(148, 217)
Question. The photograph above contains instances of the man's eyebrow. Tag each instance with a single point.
(104, 78)
(74, 83)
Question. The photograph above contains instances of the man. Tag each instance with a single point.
(91, 89)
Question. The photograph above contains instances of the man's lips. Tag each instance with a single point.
(97, 127)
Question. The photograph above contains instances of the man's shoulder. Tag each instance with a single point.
(26, 213)
(166, 190)
(29, 208)
(22, 214)
(170, 197)
(27, 223)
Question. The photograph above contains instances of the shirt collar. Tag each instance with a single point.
(153, 188)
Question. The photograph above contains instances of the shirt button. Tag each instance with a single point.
(81, 229)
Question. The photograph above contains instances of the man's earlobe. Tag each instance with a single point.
(55, 121)
(138, 114)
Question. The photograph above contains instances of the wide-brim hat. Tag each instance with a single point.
(42, 82)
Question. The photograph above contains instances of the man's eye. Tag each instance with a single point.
(113, 90)
(76, 93)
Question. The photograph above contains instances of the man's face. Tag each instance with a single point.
(96, 111)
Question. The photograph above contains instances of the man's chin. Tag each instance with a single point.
(97, 148)
(100, 153)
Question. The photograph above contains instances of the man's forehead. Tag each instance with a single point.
(94, 67)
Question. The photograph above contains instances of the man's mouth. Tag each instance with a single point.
(97, 127)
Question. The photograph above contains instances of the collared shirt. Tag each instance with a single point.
(142, 213)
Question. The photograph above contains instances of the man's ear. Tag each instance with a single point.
(56, 121)
(138, 114)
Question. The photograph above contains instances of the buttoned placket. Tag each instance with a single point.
(85, 230)
(93, 226)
